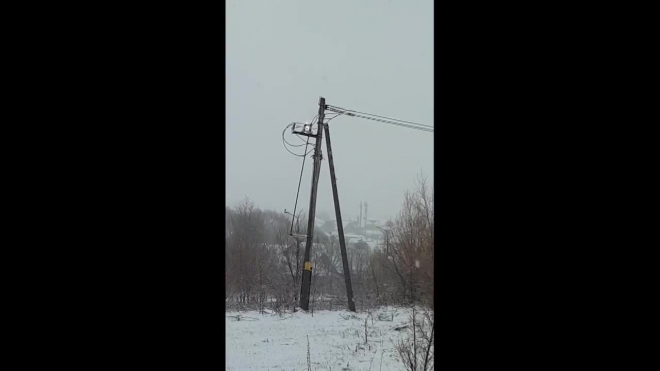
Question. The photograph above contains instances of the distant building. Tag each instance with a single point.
(353, 232)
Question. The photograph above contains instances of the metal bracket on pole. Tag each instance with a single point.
(306, 131)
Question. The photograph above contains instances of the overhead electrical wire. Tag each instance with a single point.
(388, 120)
(383, 117)
(295, 154)
(298, 192)
(284, 142)
(430, 130)
(399, 123)
(333, 117)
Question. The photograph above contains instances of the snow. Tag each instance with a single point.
(336, 340)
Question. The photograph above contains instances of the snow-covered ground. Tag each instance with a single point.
(336, 340)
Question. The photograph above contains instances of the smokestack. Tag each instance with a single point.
(360, 218)
(365, 214)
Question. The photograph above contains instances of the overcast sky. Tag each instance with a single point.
(373, 56)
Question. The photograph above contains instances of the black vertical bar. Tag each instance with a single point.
(307, 268)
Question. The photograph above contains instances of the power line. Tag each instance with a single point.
(383, 117)
(419, 127)
(339, 109)
(430, 130)
(299, 137)
(334, 117)
(298, 192)
(295, 154)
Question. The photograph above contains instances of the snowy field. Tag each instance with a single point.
(336, 340)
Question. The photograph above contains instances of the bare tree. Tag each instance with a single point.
(412, 244)
(416, 351)
(264, 262)
(243, 245)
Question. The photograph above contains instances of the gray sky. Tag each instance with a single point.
(373, 56)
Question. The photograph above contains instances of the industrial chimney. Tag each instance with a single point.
(360, 218)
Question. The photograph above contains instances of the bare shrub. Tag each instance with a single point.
(416, 351)
(309, 359)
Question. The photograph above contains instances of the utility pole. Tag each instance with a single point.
(340, 225)
(307, 269)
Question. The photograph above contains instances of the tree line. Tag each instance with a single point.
(263, 263)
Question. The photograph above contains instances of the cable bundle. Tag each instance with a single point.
(387, 120)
